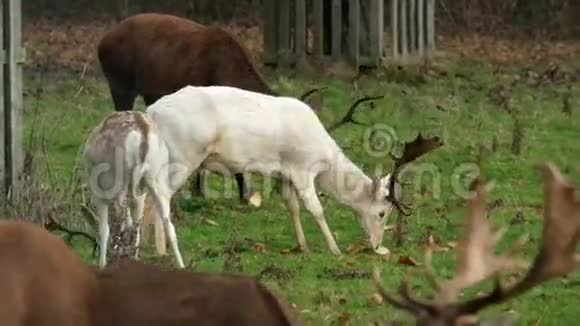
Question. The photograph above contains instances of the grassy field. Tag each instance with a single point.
(452, 102)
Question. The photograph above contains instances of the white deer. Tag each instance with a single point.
(226, 129)
(126, 159)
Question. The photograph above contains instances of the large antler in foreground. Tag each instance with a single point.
(477, 262)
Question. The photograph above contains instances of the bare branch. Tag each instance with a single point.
(52, 225)
(309, 92)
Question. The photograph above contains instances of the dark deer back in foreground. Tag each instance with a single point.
(153, 55)
(477, 261)
(42, 281)
(133, 293)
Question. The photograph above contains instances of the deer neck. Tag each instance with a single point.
(346, 181)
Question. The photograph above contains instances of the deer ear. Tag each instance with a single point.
(380, 187)
(383, 184)
(376, 187)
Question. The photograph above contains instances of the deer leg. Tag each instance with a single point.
(198, 184)
(138, 205)
(125, 210)
(102, 211)
(160, 241)
(164, 213)
(293, 205)
(312, 204)
(243, 187)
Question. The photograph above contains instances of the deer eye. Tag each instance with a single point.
(382, 214)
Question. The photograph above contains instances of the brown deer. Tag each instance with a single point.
(154, 55)
(134, 293)
(477, 261)
(42, 281)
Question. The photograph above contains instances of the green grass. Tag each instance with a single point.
(457, 109)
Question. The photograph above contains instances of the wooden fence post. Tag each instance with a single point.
(300, 29)
(284, 50)
(421, 27)
(337, 29)
(286, 38)
(430, 27)
(413, 26)
(376, 29)
(318, 27)
(395, 28)
(3, 107)
(12, 18)
(353, 32)
(270, 32)
(404, 31)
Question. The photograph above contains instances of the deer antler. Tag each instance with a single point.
(476, 261)
(411, 152)
(349, 116)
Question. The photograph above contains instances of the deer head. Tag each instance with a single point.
(476, 261)
(383, 193)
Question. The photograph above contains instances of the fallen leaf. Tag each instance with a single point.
(433, 245)
(451, 244)
(349, 263)
(390, 227)
(210, 222)
(407, 260)
(256, 199)
(377, 298)
(355, 247)
(292, 250)
(260, 247)
(344, 318)
(383, 251)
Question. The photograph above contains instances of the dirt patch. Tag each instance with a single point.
(276, 273)
(344, 274)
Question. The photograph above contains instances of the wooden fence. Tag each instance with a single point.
(11, 59)
(351, 30)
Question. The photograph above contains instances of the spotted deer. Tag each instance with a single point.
(127, 159)
(225, 129)
(478, 262)
(44, 283)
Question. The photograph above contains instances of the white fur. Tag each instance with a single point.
(116, 173)
(227, 128)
